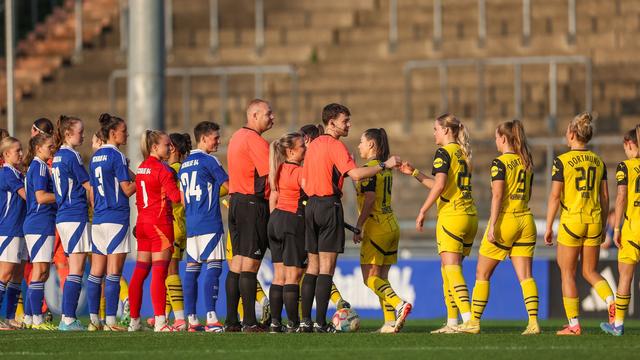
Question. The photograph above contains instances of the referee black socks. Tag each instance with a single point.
(248, 283)
(323, 294)
(308, 290)
(275, 299)
(291, 293)
(232, 287)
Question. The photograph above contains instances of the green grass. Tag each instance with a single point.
(499, 340)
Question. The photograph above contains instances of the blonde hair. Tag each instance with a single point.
(148, 139)
(514, 132)
(459, 131)
(582, 127)
(633, 135)
(278, 155)
(6, 143)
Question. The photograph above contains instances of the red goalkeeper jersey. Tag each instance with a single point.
(155, 190)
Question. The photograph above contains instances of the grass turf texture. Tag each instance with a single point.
(498, 340)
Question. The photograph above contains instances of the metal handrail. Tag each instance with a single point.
(443, 64)
(217, 71)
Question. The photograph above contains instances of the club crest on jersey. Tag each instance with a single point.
(620, 175)
(494, 171)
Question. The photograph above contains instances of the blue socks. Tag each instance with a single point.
(36, 297)
(13, 295)
(190, 288)
(212, 284)
(94, 291)
(70, 295)
(112, 294)
(3, 289)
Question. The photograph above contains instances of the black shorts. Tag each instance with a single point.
(324, 225)
(248, 218)
(286, 238)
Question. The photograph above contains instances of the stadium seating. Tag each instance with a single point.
(340, 49)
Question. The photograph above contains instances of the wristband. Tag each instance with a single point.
(616, 230)
(415, 173)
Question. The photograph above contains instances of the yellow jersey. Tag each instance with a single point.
(381, 185)
(509, 168)
(456, 197)
(628, 173)
(582, 172)
(179, 217)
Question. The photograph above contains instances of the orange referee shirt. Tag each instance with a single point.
(248, 161)
(326, 162)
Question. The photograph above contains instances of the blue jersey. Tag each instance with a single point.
(40, 218)
(68, 176)
(12, 206)
(107, 170)
(201, 176)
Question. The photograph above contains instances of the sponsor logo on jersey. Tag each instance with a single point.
(494, 171)
(437, 163)
(620, 175)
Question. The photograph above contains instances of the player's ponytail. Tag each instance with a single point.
(148, 139)
(633, 136)
(582, 127)
(34, 142)
(64, 124)
(379, 137)
(278, 155)
(460, 133)
(514, 132)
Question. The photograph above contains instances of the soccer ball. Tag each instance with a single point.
(345, 320)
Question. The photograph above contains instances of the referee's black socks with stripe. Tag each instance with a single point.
(232, 287)
(323, 294)
(308, 290)
(248, 284)
(291, 293)
(275, 299)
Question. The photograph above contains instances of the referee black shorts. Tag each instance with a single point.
(248, 219)
(324, 225)
(286, 238)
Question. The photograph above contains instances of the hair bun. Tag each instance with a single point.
(104, 118)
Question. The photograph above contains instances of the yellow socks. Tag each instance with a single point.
(449, 301)
(167, 306)
(335, 294)
(260, 295)
(480, 298)
(459, 290)
(572, 309)
(383, 289)
(530, 296)
(124, 289)
(388, 311)
(175, 296)
(622, 305)
(604, 291)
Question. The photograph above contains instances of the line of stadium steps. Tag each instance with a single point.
(50, 45)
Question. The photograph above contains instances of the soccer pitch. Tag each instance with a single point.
(499, 340)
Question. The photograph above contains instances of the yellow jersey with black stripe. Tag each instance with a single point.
(456, 198)
(179, 217)
(628, 173)
(509, 168)
(582, 172)
(381, 185)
